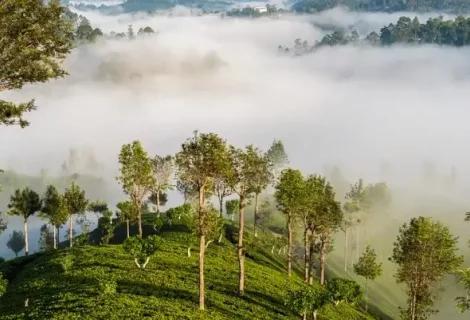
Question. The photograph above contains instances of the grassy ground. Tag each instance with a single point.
(102, 282)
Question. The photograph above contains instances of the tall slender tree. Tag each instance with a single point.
(163, 170)
(262, 177)
(368, 268)
(425, 251)
(24, 203)
(244, 164)
(136, 176)
(76, 203)
(277, 157)
(54, 209)
(202, 158)
(221, 190)
(288, 191)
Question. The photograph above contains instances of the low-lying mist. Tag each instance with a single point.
(377, 113)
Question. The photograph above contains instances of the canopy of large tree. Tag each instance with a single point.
(34, 39)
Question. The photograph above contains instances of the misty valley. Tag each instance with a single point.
(234, 160)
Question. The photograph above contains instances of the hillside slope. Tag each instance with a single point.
(102, 282)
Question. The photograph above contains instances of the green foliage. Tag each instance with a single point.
(145, 31)
(105, 226)
(3, 285)
(16, 242)
(306, 301)
(35, 40)
(136, 175)
(425, 251)
(126, 211)
(277, 156)
(54, 208)
(367, 265)
(46, 238)
(344, 290)
(232, 207)
(86, 33)
(163, 171)
(75, 199)
(463, 303)
(24, 203)
(98, 207)
(288, 191)
(141, 249)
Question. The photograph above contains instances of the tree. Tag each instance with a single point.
(368, 268)
(30, 54)
(329, 217)
(130, 32)
(76, 203)
(244, 164)
(46, 238)
(232, 207)
(105, 226)
(99, 207)
(127, 212)
(355, 203)
(425, 251)
(24, 203)
(262, 177)
(463, 303)
(16, 243)
(202, 158)
(136, 176)
(288, 191)
(145, 31)
(54, 210)
(161, 198)
(343, 290)
(222, 190)
(142, 249)
(277, 157)
(186, 190)
(162, 170)
(306, 301)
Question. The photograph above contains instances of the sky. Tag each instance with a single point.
(357, 108)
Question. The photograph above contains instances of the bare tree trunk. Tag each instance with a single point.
(289, 245)
(255, 214)
(241, 258)
(202, 244)
(311, 260)
(346, 250)
(26, 246)
(189, 252)
(58, 236)
(70, 231)
(413, 307)
(201, 271)
(221, 206)
(139, 221)
(322, 262)
(358, 231)
(304, 316)
(158, 203)
(55, 239)
(307, 253)
(127, 228)
(208, 243)
(315, 315)
(220, 237)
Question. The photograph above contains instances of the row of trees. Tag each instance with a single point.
(406, 31)
(205, 166)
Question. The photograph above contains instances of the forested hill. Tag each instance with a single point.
(456, 6)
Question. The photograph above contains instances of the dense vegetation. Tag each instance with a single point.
(406, 31)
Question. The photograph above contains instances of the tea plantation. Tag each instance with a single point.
(103, 282)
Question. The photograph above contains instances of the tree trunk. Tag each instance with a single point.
(315, 315)
(413, 307)
(158, 203)
(220, 237)
(304, 316)
(272, 249)
(307, 253)
(358, 231)
(289, 245)
(241, 258)
(145, 263)
(201, 271)
(322, 262)
(189, 252)
(255, 214)
(127, 228)
(139, 221)
(221, 206)
(208, 243)
(346, 250)
(311, 260)
(55, 239)
(202, 243)
(26, 246)
(70, 231)
(58, 236)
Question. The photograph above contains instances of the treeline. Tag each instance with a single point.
(312, 6)
(253, 11)
(406, 31)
